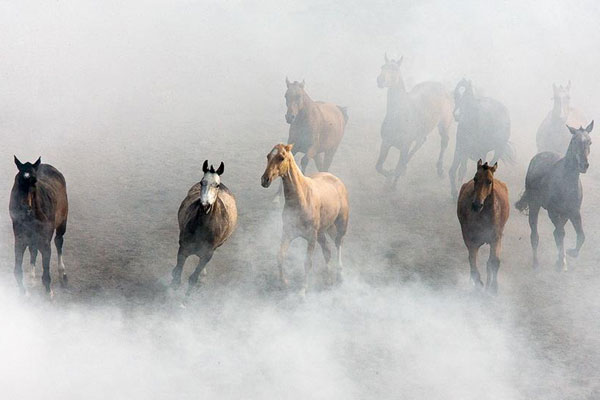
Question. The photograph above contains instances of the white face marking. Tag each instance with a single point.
(210, 188)
(26, 175)
(274, 152)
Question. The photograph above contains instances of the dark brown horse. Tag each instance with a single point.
(410, 117)
(553, 182)
(316, 128)
(38, 208)
(315, 207)
(482, 212)
(207, 217)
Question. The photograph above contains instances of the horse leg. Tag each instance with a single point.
(576, 221)
(322, 239)
(319, 162)
(46, 251)
(182, 255)
(444, 139)
(462, 170)
(401, 166)
(452, 173)
(310, 154)
(418, 144)
(475, 277)
(534, 211)
(559, 222)
(283, 248)
(328, 159)
(493, 265)
(58, 242)
(383, 153)
(310, 248)
(20, 246)
(205, 257)
(33, 252)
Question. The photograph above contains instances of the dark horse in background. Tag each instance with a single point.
(410, 117)
(207, 217)
(316, 128)
(553, 182)
(38, 207)
(483, 126)
(553, 135)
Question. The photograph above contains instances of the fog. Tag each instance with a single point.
(127, 99)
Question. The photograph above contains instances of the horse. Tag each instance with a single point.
(38, 208)
(482, 211)
(553, 182)
(483, 126)
(315, 207)
(553, 135)
(207, 218)
(410, 117)
(316, 127)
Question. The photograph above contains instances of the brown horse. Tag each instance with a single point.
(38, 207)
(482, 212)
(410, 117)
(207, 217)
(553, 135)
(316, 128)
(314, 206)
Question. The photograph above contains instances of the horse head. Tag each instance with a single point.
(26, 180)
(210, 185)
(561, 100)
(462, 94)
(390, 75)
(295, 98)
(579, 147)
(483, 184)
(279, 162)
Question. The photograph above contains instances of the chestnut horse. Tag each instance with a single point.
(553, 182)
(38, 208)
(482, 212)
(207, 217)
(553, 135)
(410, 117)
(316, 128)
(314, 207)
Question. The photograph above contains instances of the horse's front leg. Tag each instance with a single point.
(576, 221)
(204, 257)
(383, 153)
(475, 277)
(182, 255)
(283, 248)
(20, 246)
(402, 161)
(559, 222)
(493, 265)
(452, 173)
(310, 249)
(46, 251)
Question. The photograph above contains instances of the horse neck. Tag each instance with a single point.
(396, 96)
(570, 164)
(294, 186)
(557, 108)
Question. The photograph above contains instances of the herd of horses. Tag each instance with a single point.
(316, 206)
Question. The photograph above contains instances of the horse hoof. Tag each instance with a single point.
(50, 294)
(64, 280)
(573, 253)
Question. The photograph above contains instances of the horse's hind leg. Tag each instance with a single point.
(576, 221)
(322, 239)
(475, 276)
(33, 252)
(559, 222)
(534, 211)
(58, 242)
(444, 139)
(20, 246)
(383, 153)
(337, 232)
(205, 257)
(310, 248)
(182, 255)
(328, 159)
(493, 265)
(402, 163)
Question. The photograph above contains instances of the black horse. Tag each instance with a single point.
(38, 207)
(483, 126)
(553, 182)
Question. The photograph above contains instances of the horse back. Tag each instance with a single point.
(539, 169)
(323, 123)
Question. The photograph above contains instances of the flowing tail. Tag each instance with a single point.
(344, 111)
(523, 204)
(509, 156)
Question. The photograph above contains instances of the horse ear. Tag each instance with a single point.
(572, 130)
(288, 147)
(479, 163)
(399, 62)
(205, 166)
(589, 128)
(287, 82)
(494, 167)
(18, 163)
(221, 169)
(302, 84)
(37, 163)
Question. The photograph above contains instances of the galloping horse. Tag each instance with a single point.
(410, 117)
(207, 217)
(483, 211)
(314, 207)
(483, 126)
(316, 128)
(553, 182)
(38, 207)
(553, 135)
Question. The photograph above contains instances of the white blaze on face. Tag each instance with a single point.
(274, 151)
(26, 175)
(210, 188)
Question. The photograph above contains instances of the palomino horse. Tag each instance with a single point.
(482, 211)
(316, 128)
(410, 116)
(483, 126)
(207, 217)
(553, 182)
(553, 135)
(38, 207)
(314, 207)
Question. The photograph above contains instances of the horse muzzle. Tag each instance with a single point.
(265, 181)
(583, 167)
(289, 118)
(477, 206)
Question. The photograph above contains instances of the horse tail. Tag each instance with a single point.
(344, 111)
(523, 204)
(509, 156)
